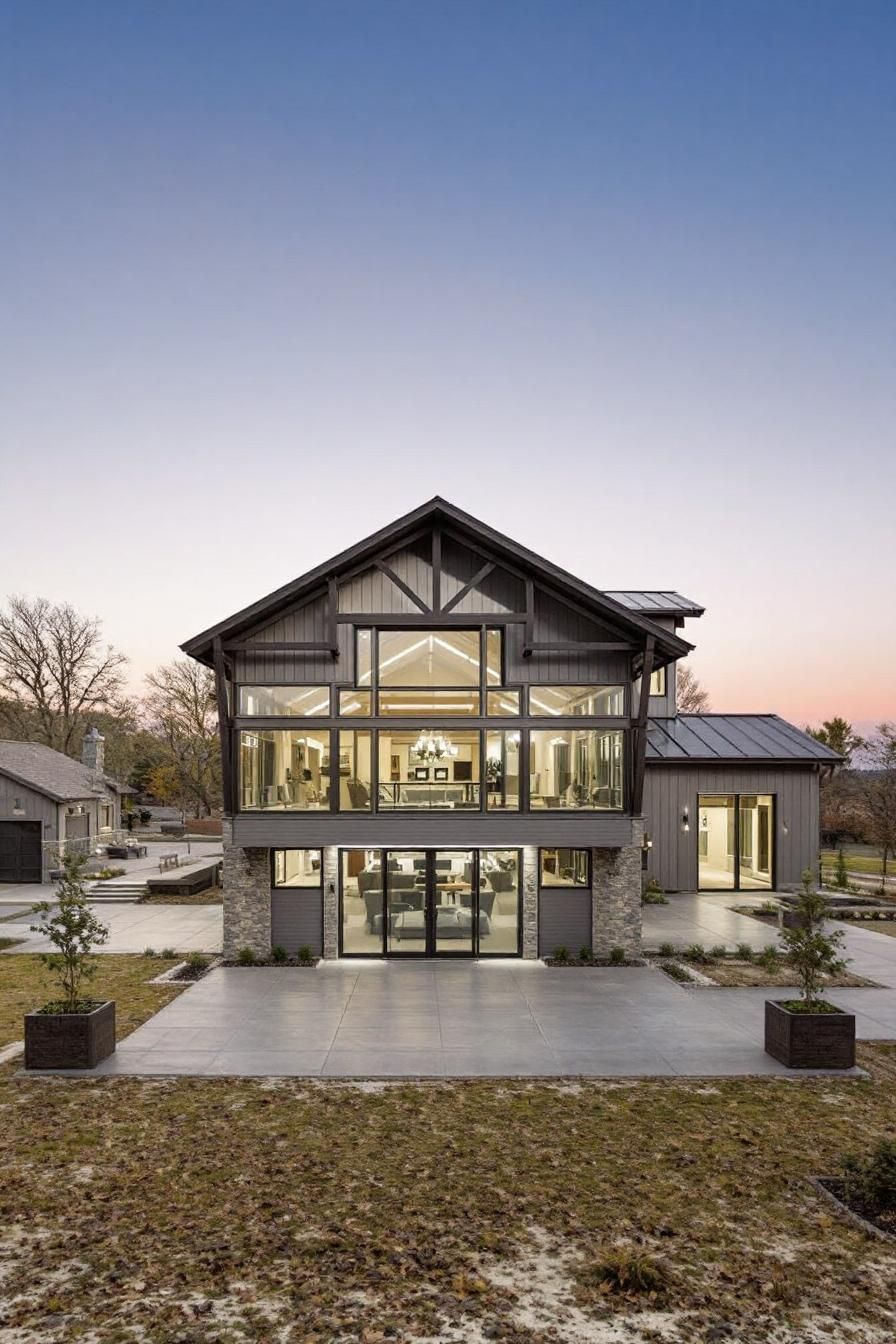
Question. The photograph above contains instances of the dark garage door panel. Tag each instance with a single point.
(564, 920)
(297, 919)
(20, 858)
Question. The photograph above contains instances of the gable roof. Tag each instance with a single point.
(437, 510)
(50, 772)
(733, 737)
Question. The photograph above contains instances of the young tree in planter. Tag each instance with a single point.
(810, 951)
(74, 931)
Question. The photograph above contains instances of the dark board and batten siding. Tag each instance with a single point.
(306, 624)
(297, 919)
(564, 920)
(669, 789)
(409, 830)
(37, 808)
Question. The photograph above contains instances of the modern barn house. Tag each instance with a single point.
(436, 744)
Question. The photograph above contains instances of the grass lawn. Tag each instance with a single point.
(25, 983)
(887, 926)
(214, 1210)
(857, 862)
(211, 896)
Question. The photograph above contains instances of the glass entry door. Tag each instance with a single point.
(430, 902)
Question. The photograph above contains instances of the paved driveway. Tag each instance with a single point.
(438, 1019)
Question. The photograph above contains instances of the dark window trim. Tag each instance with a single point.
(476, 954)
(277, 886)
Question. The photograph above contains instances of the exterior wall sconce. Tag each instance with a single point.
(785, 828)
(647, 843)
(17, 808)
(685, 820)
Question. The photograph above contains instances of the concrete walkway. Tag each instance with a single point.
(134, 928)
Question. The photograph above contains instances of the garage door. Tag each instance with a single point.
(20, 851)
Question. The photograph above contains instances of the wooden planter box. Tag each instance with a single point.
(69, 1040)
(810, 1040)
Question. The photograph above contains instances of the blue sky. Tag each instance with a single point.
(618, 278)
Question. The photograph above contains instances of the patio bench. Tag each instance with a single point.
(168, 861)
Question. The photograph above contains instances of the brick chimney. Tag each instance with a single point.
(93, 752)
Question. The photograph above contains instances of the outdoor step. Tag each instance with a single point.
(120, 891)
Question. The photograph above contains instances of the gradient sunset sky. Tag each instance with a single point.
(618, 278)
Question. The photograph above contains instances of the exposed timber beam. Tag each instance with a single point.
(640, 736)
(481, 573)
(224, 732)
(400, 583)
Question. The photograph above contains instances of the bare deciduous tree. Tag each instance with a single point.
(880, 793)
(55, 671)
(691, 697)
(181, 709)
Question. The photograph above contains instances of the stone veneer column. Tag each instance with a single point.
(530, 902)
(616, 897)
(247, 897)
(331, 902)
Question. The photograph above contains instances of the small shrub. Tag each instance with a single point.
(679, 973)
(769, 959)
(167, 952)
(196, 961)
(617, 956)
(74, 931)
(653, 894)
(842, 878)
(809, 950)
(667, 950)
(278, 954)
(584, 954)
(696, 953)
(305, 954)
(561, 953)
(626, 1269)
(145, 816)
(149, 951)
(245, 956)
(871, 1180)
(744, 951)
(719, 951)
(767, 908)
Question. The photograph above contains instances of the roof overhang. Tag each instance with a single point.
(668, 646)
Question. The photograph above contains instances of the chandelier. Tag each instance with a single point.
(431, 747)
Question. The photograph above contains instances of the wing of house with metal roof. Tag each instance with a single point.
(657, 603)
(732, 738)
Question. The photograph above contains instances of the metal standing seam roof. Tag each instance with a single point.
(733, 737)
(653, 602)
(50, 772)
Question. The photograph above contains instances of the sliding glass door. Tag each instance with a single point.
(735, 841)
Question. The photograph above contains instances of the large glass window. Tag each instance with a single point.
(362, 902)
(274, 701)
(354, 704)
(499, 902)
(433, 768)
(297, 868)
(284, 770)
(429, 658)
(560, 701)
(363, 657)
(428, 703)
(355, 759)
(565, 868)
(502, 771)
(502, 704)
(658, 682)
(578, 768)
(494, 660)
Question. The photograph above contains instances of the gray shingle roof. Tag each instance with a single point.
(733, 737)
(47, 771)
(656, 603)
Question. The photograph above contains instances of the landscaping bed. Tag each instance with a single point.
(731, 971)
(561, 962)
(208, 896)
(662, 1210)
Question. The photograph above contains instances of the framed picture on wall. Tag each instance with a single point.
(421, 772)
(440, 772)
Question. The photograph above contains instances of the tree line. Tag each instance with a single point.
(860, 804)
(58, 677)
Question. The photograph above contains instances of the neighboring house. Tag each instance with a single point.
(435, 744)
(48, 801)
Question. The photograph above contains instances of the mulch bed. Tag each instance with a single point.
(592, 961)
(268, 965)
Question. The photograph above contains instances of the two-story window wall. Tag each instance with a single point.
(437, 736)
